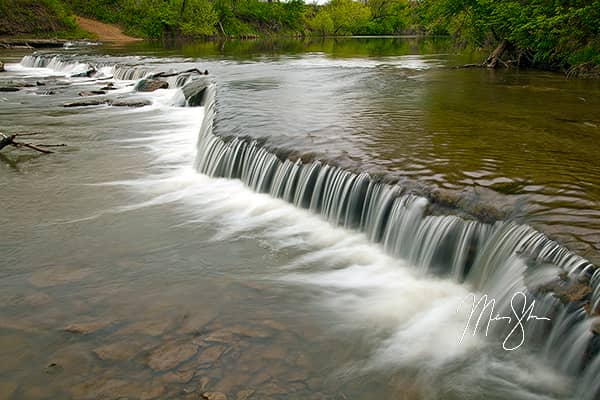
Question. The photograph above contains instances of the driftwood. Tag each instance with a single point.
(31, 43)
(189, 71)
(9, 140)
(494, 59)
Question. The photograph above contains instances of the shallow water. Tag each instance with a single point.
(118, 256)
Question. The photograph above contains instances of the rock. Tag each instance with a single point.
(53, 369)
(91, 93)
(179, 376)
(274, 325)
(9, 86)
(130, 102)
(117, 388)
(150, 85)
(1, 66)
(232, 380)
(86, 328)
(211, 355)
(99, 388)
(153, 392)
(251, 331)
(54, 276)
(220, 336)
(260, 378)
(120, 351)
(40, 83)
(567, 290)
(195, 322)
(203, 383)
(244, 394)
(297, 375)
(148, 327)
(273, 389)
(111, 87)
(85, 74)
(213, 396)
(274, 352)
(170, 355)
(86, 103)
(195, 91)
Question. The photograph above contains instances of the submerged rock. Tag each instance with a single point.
(214, 396)
(85, 328)
(58, 276)
(84, 74)
(211, 355)
(53, 369)
(147, 327)
(244, 394)
(150, 85)
(120, 351)
(180, 376)
(112, 102)
(9, 89)
(195, 91)
(91, 93)
(170, 355)
(86, 103)
(130, 102)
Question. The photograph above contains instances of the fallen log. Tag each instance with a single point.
(9, 140)
(169, 74)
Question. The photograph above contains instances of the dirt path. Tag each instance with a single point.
(106, 32)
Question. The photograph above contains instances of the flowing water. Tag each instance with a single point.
(314, 230)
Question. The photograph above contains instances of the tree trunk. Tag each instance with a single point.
(494, 58)
(182, 9)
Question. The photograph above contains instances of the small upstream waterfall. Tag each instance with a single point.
(76, 66)
(496, 259)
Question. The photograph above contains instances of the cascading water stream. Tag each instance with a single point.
(497, 259)
(121, 72)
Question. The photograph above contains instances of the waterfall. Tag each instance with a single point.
(70, 65)
(498, 259)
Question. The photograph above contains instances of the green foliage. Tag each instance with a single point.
(322, 23)
(388, 17)
(561, 33)
(153, 18)
(198, 18)
(36, 17)
(252, 17)
(348, 17)
(340, 17)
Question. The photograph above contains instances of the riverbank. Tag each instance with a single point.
(104, 32)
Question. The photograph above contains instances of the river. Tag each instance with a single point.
(310, 232)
